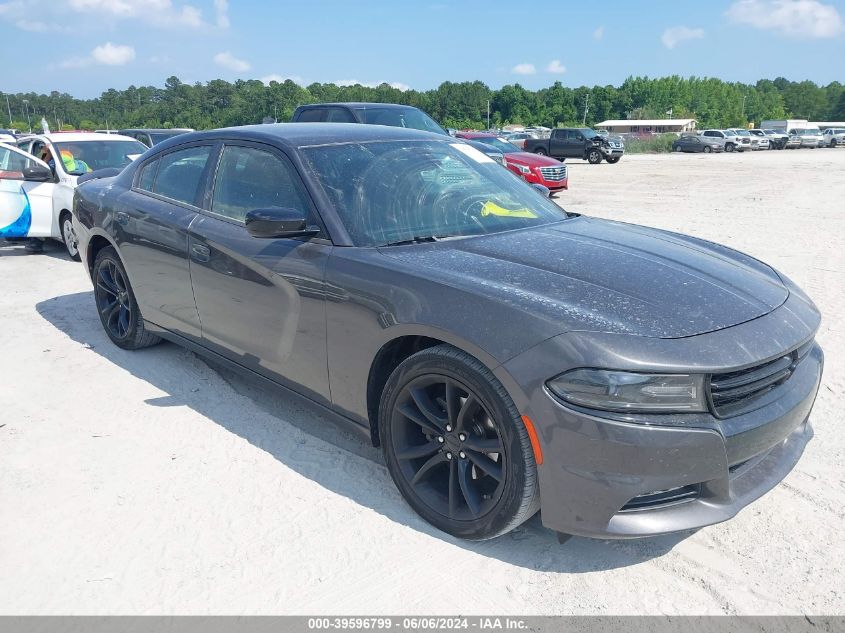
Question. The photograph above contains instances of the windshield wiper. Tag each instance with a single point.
(417, 239)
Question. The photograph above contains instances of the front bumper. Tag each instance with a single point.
(596, 465)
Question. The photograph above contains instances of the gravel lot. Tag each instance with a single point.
(152, 482)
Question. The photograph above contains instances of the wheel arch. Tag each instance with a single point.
(96, 243)
(404, 341)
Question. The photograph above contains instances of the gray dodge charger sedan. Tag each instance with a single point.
(507, 356)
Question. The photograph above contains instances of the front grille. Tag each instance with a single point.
(662, 498)
(555, 174)
(733, 392)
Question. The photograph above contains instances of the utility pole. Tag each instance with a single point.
(488, 114)
(744, 97)
(28, 120)
(9, 108)
(586, 108)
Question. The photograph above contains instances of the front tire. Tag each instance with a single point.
(707, 149)
(594, 157)
(613, 159)
(69, 238)
(116, 303)
(729, 147)
(456, 446)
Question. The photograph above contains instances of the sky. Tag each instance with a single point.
(84, 47)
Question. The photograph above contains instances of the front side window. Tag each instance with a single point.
(180, 174)
(393, 191)
(12, 164)
(250, 179)
(312, 115)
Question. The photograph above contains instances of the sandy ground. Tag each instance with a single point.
(151, 482)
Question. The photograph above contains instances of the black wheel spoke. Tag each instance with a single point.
(109, 310)
(413, 414)
(123, 320)
(453, 402)
(455, 494)
(486, 464)
(483, 444)
(469, 409)
(427, 407)
(471, 496)
(415, 452)
(426, 468)
(102, 286)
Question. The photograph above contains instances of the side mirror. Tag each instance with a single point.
(37, 173)
(277, 222)
(544, 191)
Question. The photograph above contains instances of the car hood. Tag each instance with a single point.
(595, 275)
(531, 160)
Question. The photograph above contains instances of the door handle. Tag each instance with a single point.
(122, 218)
(200, 253)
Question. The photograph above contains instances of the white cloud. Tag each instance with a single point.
(556, 67)
(675, 35)
(372, 84)
(282, 79)
(36, 26)
(793, 18)
(157, 12)
(598, 33)
(221, 8)
(230, 62)
(524, 69)
(107, 54)
(113, 54)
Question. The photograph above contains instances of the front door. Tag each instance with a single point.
(261, 301)
(26, 206)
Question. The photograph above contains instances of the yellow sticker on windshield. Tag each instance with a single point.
(491, 208)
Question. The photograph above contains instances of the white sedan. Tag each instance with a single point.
(37, 204)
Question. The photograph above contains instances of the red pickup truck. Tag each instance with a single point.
(534, 168)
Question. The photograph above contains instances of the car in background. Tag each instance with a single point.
(809, 137)
(691, 143)
(519, 138)
(732, 141)
(763, 140)
(106, 131)
(68, 156)
(579, 142)
(392, 114)
(153, 136)
(508, 357)
(777, 138)
(747, 142)
(534, 168)
(834, 136)
(6, 136)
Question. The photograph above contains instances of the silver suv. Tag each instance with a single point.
(834, 136)
(731, 140)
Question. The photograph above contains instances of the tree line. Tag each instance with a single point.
(217, 103)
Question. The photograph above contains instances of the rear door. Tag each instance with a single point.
(26, 206)
(557, 143)
(151, 229)
(261, 301)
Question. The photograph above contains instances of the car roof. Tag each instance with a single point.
(359, 104)
(70, 137)
(478, 134)
(305, 134)
(180, 130)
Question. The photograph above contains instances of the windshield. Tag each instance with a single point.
(811, 131)
(395, 191)
(588, 133)
(499, 144)
(741, 132)
(401, 117)
(79, 157)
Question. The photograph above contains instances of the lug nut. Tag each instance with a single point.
(440, 439)
(462, 455)
(462, 436)
(448, 455)
(448, 428)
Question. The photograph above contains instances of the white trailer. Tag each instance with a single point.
(785, 124)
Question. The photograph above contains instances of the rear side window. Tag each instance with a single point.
(147, 176)
(339, 115)
(250, 179)
(311, 115)
(180, 174)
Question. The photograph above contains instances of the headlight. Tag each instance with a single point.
(521, 168)
(628, 391)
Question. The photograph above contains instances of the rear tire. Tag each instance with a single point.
(116, 304)
(455, 445)
(69, 238)
(540, 151)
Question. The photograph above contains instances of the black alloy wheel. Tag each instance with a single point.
(455, 445)
(116, 304)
